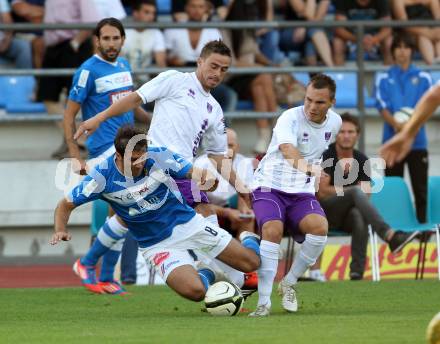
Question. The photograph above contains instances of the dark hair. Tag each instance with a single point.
(125, 134)
(401, 38)
(243, 10)
(215, 47)
(347, 117)
(109, 21)
(138, 4)
(320, 81)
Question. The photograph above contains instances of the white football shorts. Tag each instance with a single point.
(199, 235)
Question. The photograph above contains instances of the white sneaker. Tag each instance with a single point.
(261, 311)
(288, 293)
(317, 275)
(246, 234)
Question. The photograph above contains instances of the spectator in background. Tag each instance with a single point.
(428, 38)
(246, 53)
(185, 45)
(347, 206)
(224, 200)
(64, 49)
(31, 11)
(268, 40)
(312, 39)
(403, 86)
(374, 38)
(13, 49)
(144, 47)
(215, 8)
(110, 8)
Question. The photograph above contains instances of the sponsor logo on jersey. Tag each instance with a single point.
(160, 257)
(305, 137)
(112, 82)
(116, 96)
(209, 107)
(191, 93)
(327, 135)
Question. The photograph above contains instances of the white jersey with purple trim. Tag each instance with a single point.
(311, 139)
(184, 113)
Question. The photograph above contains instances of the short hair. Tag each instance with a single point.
(320, 81)
(109, 21)
(125, 134)
(138, 4)
(215, 47)
(347, 117)
(401, 38)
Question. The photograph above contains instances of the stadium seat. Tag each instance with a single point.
(302, 77)
(245, 105)
(16, 95)
(163, 7)
(346, 90)
(433, 213)
(99, 215)
(394, 204)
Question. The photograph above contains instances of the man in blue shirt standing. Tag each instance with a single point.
(137, 181)
(403, 86)
(99, 82)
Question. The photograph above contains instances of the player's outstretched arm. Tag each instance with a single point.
(396, 149)
(62, 215)
(128, 103)
(205, 179)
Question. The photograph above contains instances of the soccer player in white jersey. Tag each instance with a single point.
(185, 113)
(284, 190)
(138, 184)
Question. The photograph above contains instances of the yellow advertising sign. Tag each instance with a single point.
(336, 262)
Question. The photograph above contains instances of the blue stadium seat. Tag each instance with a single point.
(163, 6)
(302, 77)
(394, 204)
(346, 90)
(433, 211)
(16, 95)
(99, 214)
(245, 105)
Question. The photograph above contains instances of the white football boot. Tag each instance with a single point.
(288, 293)
(261, 311)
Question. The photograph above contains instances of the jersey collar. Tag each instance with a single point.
(199, 85)
(114, 64)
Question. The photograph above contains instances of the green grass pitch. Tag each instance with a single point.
(333, 312)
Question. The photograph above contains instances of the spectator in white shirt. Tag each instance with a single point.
(184, 47)
(144, 47)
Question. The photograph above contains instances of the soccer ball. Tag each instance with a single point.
(223, 298)
(433, 331)
(403, 115)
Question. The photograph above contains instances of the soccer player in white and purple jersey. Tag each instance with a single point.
(185, 113)
(284, 190)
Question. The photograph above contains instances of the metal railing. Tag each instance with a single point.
(359, 27)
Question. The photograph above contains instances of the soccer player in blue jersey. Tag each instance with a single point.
(99, 82)
(138, 184)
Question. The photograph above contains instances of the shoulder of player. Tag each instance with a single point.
(293, 113)
(172, 74)
(334, 117)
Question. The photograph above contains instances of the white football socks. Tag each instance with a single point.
(267, 271)
(309, 252)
